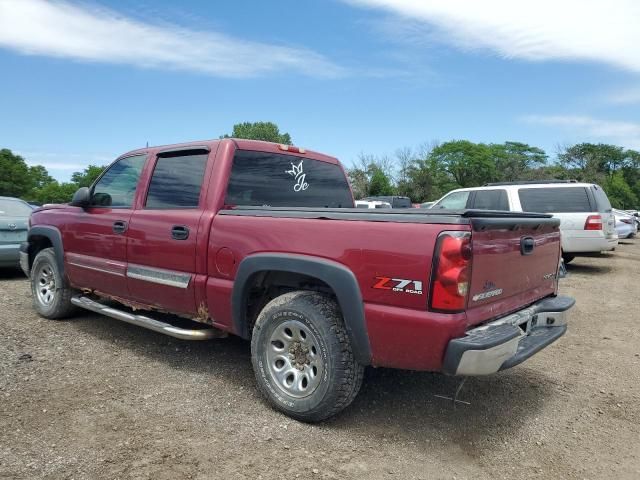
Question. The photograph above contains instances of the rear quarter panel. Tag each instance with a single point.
(401, 331)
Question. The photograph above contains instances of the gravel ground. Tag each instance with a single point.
(92, 397)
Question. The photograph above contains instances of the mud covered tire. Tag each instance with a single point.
(51, 293)
(315, 324)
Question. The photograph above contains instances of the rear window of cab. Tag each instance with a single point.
(277, 180)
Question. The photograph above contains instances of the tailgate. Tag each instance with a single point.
(515, 263)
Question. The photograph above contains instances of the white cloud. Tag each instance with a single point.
(591, 30)
(89, 33)
(629, 96)
(589, 128)
(61, 165)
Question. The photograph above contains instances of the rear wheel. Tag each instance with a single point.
(302, 356)
(51, 295)
(567, 257)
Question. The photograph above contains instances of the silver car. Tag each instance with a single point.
(626, 224)
(14, 223)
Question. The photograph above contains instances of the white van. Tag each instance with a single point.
(586, 220)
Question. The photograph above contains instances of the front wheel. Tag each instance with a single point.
(302, 356)
(51, 295)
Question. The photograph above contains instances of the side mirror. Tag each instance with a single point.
(82, 198)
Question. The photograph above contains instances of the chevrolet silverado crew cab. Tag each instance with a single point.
(586, 219)
(201, 240)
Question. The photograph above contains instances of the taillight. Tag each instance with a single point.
(451, 272)
(594, 222)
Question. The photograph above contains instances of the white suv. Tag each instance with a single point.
(586, 221)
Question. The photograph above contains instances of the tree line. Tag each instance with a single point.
(429, 172)
(423, 174)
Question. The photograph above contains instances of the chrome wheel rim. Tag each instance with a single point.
(293, 356)
(45, 282)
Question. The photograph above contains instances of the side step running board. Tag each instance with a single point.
(146, 322)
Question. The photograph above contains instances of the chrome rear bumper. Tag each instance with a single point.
(510, 340)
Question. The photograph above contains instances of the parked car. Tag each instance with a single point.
(14, 222)
(395, 200)
(636, 215)
(586, 219)
(372, 204)
(626, 224)
(235, 236)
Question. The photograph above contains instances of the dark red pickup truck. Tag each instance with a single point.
(260, 240)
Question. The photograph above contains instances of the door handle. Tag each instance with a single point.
(179, 232)
(119, 227)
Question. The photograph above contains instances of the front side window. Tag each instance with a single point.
(555, 199)
(275, 180)
(453, 201)
(177, 180)
(491, 200)
(117, 187)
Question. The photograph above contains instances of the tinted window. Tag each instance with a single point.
(491, 200)
(117, 187)
(558, 199)
(268, 179)
(601, 199)
(401, 202)
(454, 201)
(176, 181)
(17, 208)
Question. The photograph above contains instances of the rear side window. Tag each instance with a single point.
(116, 188)
(176, 181)
(275, 180)
(551, 200)
(453, 201)
(602, 201)
(491, 200)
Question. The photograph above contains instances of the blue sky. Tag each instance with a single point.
(82, 82)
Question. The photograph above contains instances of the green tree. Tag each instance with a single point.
(470, 164)
(267, 131)
(55, 192)
(619, 192)
(631, 171)
(380, 183)
(39, 176)
(591, 162)
(359, 181)
(427, 180)
(86, 177)
(15, 180)
(515, 160)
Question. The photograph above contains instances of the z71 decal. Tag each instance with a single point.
(413, 287)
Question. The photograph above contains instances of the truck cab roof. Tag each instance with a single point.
(240, 144)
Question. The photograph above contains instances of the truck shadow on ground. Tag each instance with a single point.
(11, 274)
(393, 405)
(588, 268)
